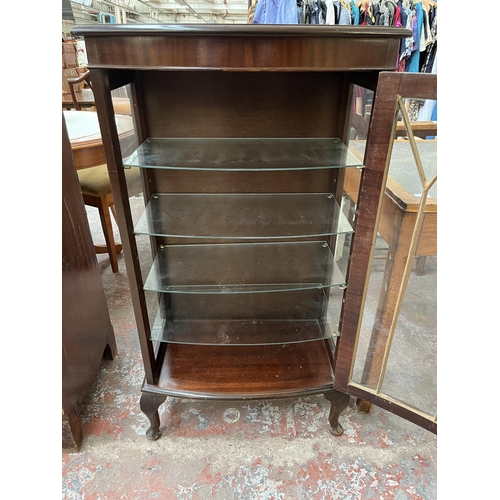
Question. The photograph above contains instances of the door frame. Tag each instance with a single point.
(391, 88)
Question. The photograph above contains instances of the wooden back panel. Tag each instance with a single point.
(234, 104)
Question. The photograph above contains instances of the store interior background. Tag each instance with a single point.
(468, 329)
(157, 11)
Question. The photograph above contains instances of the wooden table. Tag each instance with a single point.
(402, 195)
(420, 129)
(86, 143)
(397, 221)
(85, 137)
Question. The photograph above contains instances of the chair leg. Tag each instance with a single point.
(113, 211)
(107, 228)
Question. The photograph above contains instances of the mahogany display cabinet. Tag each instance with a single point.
(256, 275)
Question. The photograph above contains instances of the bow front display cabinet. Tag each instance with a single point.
(253, 286)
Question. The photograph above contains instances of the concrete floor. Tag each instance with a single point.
(269, 450)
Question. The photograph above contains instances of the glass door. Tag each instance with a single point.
(387, 351)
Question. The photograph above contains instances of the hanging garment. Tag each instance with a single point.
(322, 9)
(343, 16)
(430, 50)
(403, 13)
(374, 18)
(307, 12)
(406, 43)
(432, 13)
(413, 109)
(397, 17)
(425, 37)
(387, 12)
(301, 12)
(276, 12)
(354, 13)
(427, 110)
(314, 12)
(414, 65)
(330, 12)
(402, 20)
(363, 14)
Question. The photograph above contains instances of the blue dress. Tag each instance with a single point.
(276, 12)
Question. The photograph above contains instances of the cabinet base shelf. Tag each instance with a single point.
(244, 372)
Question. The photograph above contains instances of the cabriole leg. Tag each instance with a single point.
(149, 405)
(338, 403)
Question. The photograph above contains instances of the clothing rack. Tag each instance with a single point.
(417, 53)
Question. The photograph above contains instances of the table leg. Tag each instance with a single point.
(420, 266)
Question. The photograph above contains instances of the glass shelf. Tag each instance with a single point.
(243, 216)
(244, 268)
(251, 332)
(246, 319)
(242, 154)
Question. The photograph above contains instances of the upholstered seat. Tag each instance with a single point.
(96, 192)
(95, 181)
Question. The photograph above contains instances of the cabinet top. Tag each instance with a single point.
(243, 47)
(242, 30)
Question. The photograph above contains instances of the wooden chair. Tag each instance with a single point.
(95, 184)
(121, 105)
(96, 192)
(72, 82)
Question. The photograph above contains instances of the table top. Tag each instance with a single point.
(403, 178)
(83, 126)
(403, 168)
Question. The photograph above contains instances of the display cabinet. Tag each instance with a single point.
(243, 145)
